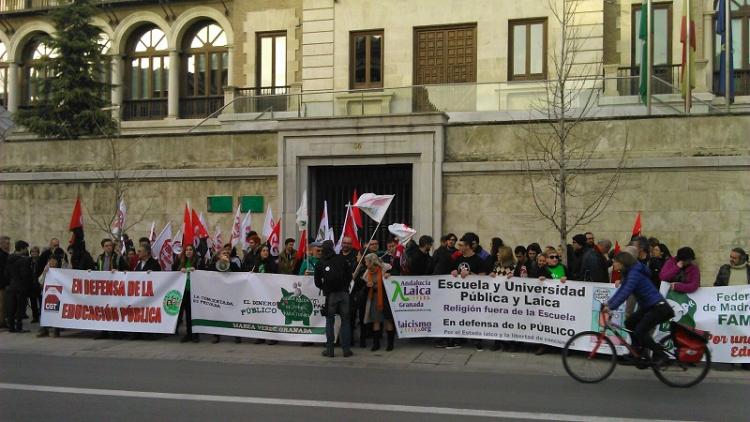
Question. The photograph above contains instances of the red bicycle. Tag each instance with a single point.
(591, 356)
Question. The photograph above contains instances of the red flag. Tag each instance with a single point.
(355, 211)
(302, 251)
(637, 225)
(617, 247)
(76, 219)
(199, 230)
(274, 240)
(187, 228)
(350, 230)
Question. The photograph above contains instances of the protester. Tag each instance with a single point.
(443, 254)
(659, 256)
(593, 265)
(145, 261)
(590, 241)
(187, 263)
(35, 293)
(391, 256)
(52, 262)
(470, 262)
(540, 267)
(736, 272)
(579, 246)
(252, 255)
(333, 275)
(374, 247)
(644, 249)
(349, 253)
(532, 251)
(55, 249)
(313, 257)
(419, 260)
(224, 264)
(553, 269)
(266, 261)
(20, 279)
(682, 272)
(288, 258)
(110, 260)
(379, 310)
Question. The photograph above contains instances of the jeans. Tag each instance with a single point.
(643, 321)
(338, 303)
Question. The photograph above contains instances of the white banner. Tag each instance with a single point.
(723, 311)
(267, 306)
(549, 312)
(101, 300)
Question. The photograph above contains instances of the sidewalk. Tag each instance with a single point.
(408, 354)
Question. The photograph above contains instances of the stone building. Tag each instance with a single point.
(226, 102)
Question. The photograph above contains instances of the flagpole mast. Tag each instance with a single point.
(649, 54)
(727, 52)
(359, 264)
(688, 52)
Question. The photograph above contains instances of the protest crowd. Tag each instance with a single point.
(350, 275)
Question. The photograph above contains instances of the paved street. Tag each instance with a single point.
(76, 378)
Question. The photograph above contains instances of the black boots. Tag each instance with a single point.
(376, 340)
(390, 336)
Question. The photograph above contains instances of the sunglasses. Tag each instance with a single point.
(554, 257)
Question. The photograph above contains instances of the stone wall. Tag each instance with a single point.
(688, 176)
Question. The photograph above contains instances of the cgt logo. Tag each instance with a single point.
(51, 298)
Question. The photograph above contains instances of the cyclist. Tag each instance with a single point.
(653, 309)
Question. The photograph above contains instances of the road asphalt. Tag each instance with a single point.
(77, 378)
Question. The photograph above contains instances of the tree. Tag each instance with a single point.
(72, 91)
(561, 137)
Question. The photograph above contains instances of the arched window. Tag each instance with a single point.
(104, 70)
(146, 75)
(204, 70)
(34, 70)
(3, 75)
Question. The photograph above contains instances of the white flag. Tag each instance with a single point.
(152, 232)
(245, 228)
(268, 224)
(337, 245)
(119, 222)
(162, 250)
(177, 243)
(323, 228)
(302, 212)
(236, 228)
(373, 205)
(402, 231)
(218, 241)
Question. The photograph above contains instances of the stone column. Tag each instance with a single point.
(14, 88)
(173, 101)
(230, 66)
(118, 82)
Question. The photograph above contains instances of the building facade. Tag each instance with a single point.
(429, 99)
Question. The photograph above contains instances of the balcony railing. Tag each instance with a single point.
(628, 83)
(741, 81)
(20, 6)
(200, 107)
(261, 99)
(154, 109)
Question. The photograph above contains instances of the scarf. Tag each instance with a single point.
(377, 284)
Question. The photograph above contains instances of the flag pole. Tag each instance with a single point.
(359, 264)
(649, 54)
(727, 52)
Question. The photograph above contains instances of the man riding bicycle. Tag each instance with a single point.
(653, 309)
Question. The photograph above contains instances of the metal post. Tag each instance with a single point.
(727, 52)
(650, 54)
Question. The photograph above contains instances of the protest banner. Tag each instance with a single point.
(266, 306)
(549, 312)
(137, 302)
(722, 311)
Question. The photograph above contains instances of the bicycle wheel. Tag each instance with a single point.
(589, 366)
(679, 374)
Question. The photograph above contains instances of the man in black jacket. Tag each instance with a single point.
(333, 275)
(593, 265)
(4, 254)
(420, 261)
(145, 261)
(443, 256)
(20, 277)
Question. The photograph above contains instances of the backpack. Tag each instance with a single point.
(690, 343)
